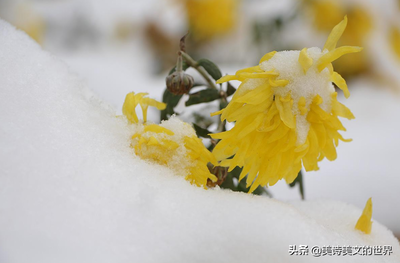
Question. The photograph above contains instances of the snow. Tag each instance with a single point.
(72, 190)
(308, 85)
(365, 167)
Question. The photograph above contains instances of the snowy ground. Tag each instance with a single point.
(71, 190)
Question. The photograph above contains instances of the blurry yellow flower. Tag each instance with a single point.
(173, 143)
(394, 39)
(209, 18)
(364, 223)
(132, 100)
(285, 113)
(328, 13)
(30, 22)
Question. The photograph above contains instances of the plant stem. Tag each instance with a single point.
(221, 125)
(179, 63)
(191, 62)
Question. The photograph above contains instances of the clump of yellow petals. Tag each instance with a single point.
(209, 18)
(364, 223)
(184, 154)
(285, 113)
(132, 100)
(173, 143)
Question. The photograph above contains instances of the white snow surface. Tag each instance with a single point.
(72, 190)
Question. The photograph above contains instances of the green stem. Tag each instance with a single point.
(221, 125)
(179, 63)
(191, 62)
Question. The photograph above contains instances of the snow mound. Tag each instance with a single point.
(72, 190)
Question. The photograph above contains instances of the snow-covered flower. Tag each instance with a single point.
(209, 18)
(286, 113)
(172, 143)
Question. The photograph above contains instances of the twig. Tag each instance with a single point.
(191, 62)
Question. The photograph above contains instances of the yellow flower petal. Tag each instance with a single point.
(152, 141)
(132, 100)
(341, 83)
(216, 113)
(339, 109)
(267, 56)
(226, 79)
(335, 34)
(302, 106)
(265, 74)
(128, 109)
(305, 60)
(157, 129)
(285, 110)
(364, 223)
(331, 56)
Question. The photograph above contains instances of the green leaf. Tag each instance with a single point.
(171, 100)
(201, 132)
(185, 66)
(201, 96)
(211, 68)
(223, 104)
(231, 89)
(299, 181)
(228, 183)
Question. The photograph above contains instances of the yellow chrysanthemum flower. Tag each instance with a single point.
(285, 113)
(364, 223)
(172, 143)
(209, 18)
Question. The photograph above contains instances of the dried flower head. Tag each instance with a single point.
(179, 83)
(285, 113)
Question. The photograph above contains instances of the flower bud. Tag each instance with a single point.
(179, 83)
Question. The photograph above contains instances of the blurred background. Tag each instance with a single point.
(119, 46)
